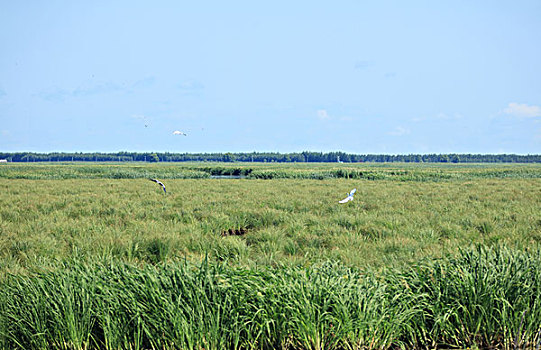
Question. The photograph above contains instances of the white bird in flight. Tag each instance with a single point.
(159, 183)
(177, 132)
(349, 197)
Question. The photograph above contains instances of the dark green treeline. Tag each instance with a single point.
(302, 157)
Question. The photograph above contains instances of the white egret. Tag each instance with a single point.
(349, 197)
(177, 132)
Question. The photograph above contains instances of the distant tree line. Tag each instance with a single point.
(301, 157)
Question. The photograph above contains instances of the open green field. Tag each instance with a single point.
(427, 255)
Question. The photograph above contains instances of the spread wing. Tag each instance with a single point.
(159, 183)
(347, 199)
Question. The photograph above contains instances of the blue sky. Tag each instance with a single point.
(391, 77)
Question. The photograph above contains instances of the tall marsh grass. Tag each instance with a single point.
(96, 256)
(479, 298)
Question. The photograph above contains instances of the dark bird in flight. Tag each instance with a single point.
(159, 183)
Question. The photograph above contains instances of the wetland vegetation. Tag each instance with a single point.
(426, 256)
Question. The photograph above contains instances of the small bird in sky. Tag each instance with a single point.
(177, 132)
(349, 197)
(159, 183)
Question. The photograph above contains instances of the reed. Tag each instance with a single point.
(479, 298)
(93, 259)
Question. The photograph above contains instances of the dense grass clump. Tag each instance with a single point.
(480, 298)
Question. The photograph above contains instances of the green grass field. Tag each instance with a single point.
(427, 255)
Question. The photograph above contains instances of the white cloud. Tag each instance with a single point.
(399, 131)
(444, 116)
(323, 115)
(522, 110)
